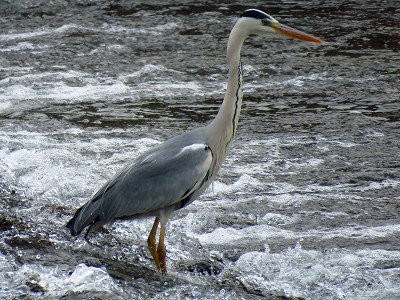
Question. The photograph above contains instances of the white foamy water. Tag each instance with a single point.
(72, 28)
(263, 233)
(55, 281)
(28, 90)
(64, 163)
(332, 274)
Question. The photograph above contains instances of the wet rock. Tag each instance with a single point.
(33, 282)
(88, 295)
(201, 267)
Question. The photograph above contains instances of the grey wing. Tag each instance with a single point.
(160, 180)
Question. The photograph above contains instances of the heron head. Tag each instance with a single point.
(256, 21)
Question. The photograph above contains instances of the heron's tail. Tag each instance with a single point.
(88, 214)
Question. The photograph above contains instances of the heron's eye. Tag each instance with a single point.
(266, 22)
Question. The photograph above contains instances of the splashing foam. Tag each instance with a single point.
(334, 274)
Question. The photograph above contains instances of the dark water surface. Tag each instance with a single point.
(307, 204)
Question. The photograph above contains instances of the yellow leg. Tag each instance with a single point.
(151, 243)
(162, 252)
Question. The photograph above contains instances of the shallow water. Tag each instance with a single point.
(307, 204)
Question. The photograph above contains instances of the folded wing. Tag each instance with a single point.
(164, 178)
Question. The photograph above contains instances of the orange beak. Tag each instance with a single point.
(294, 33)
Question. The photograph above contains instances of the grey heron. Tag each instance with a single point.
(174, 173)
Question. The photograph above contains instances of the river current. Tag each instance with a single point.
(307, 203)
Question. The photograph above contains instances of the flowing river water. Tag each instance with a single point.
(307, 203)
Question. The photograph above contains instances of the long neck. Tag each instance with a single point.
(223, 127)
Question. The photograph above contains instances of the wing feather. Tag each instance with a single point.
(155, 181)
